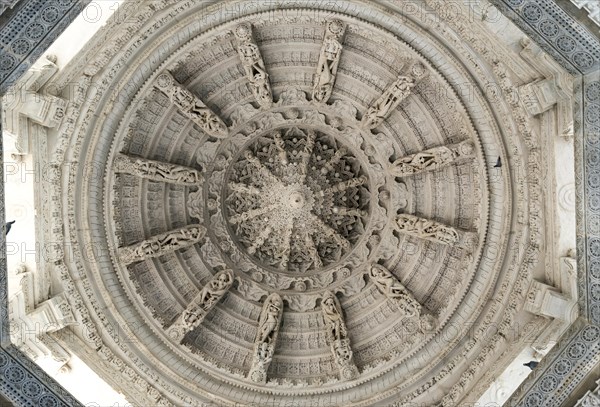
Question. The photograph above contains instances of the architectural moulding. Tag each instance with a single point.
(578, 52)
(27, 105)
(299, 282)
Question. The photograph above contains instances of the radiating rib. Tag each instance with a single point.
(312, 250)
(264, 171)
(308, 149)
(281, 148)
(157, 170)
(329, 59)
(388, 285)
(201, 305)
(337, 336)
(286, 242)
(190, 105)
(349, 212)
(162, 244)
(253, 64)
(329, 165)
(329, 231)
(391, 97)
(427, 229)
(344, 185)
(432, 159)
(243, 188)
(251, 214)
(260, 240)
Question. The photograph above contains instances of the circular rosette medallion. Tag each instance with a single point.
(296, 200)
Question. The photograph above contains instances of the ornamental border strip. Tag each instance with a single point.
(524, 14)
(557, 33)
(28, 30)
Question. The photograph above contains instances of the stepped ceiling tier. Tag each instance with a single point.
(299, 204)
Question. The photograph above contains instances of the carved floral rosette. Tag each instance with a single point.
(294, 111)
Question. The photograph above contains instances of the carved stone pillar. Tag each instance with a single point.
(53, 314)
(555, 88)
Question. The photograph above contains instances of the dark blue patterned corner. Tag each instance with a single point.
(32, 26)
(557, 33)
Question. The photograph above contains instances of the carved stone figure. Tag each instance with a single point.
(162, 244)
(426, 229)
(269, 320)
(215, 289)
(254, 66)
(337, 336)
(432, 159)
(390, 99)
(329, 59)
(195, 312)
(336, 329)
(388, 285)
(191, 106)
(158, 171)
(266, 337)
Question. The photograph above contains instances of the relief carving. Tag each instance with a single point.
(191, 106)
(389, 286)
(266, 337)
(158, 171)
(195, 312)
(329, 59)
(390, 99)
(426, 229)
(254, 66)
(337, 336)
(432, 159)
(161, 244)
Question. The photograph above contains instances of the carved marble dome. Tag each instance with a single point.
(298, 204)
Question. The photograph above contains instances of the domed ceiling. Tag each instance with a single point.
(299, 204)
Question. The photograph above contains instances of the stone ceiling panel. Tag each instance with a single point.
(297, 203)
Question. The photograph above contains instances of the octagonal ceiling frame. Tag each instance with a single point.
(583, 62)
(523, 14)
